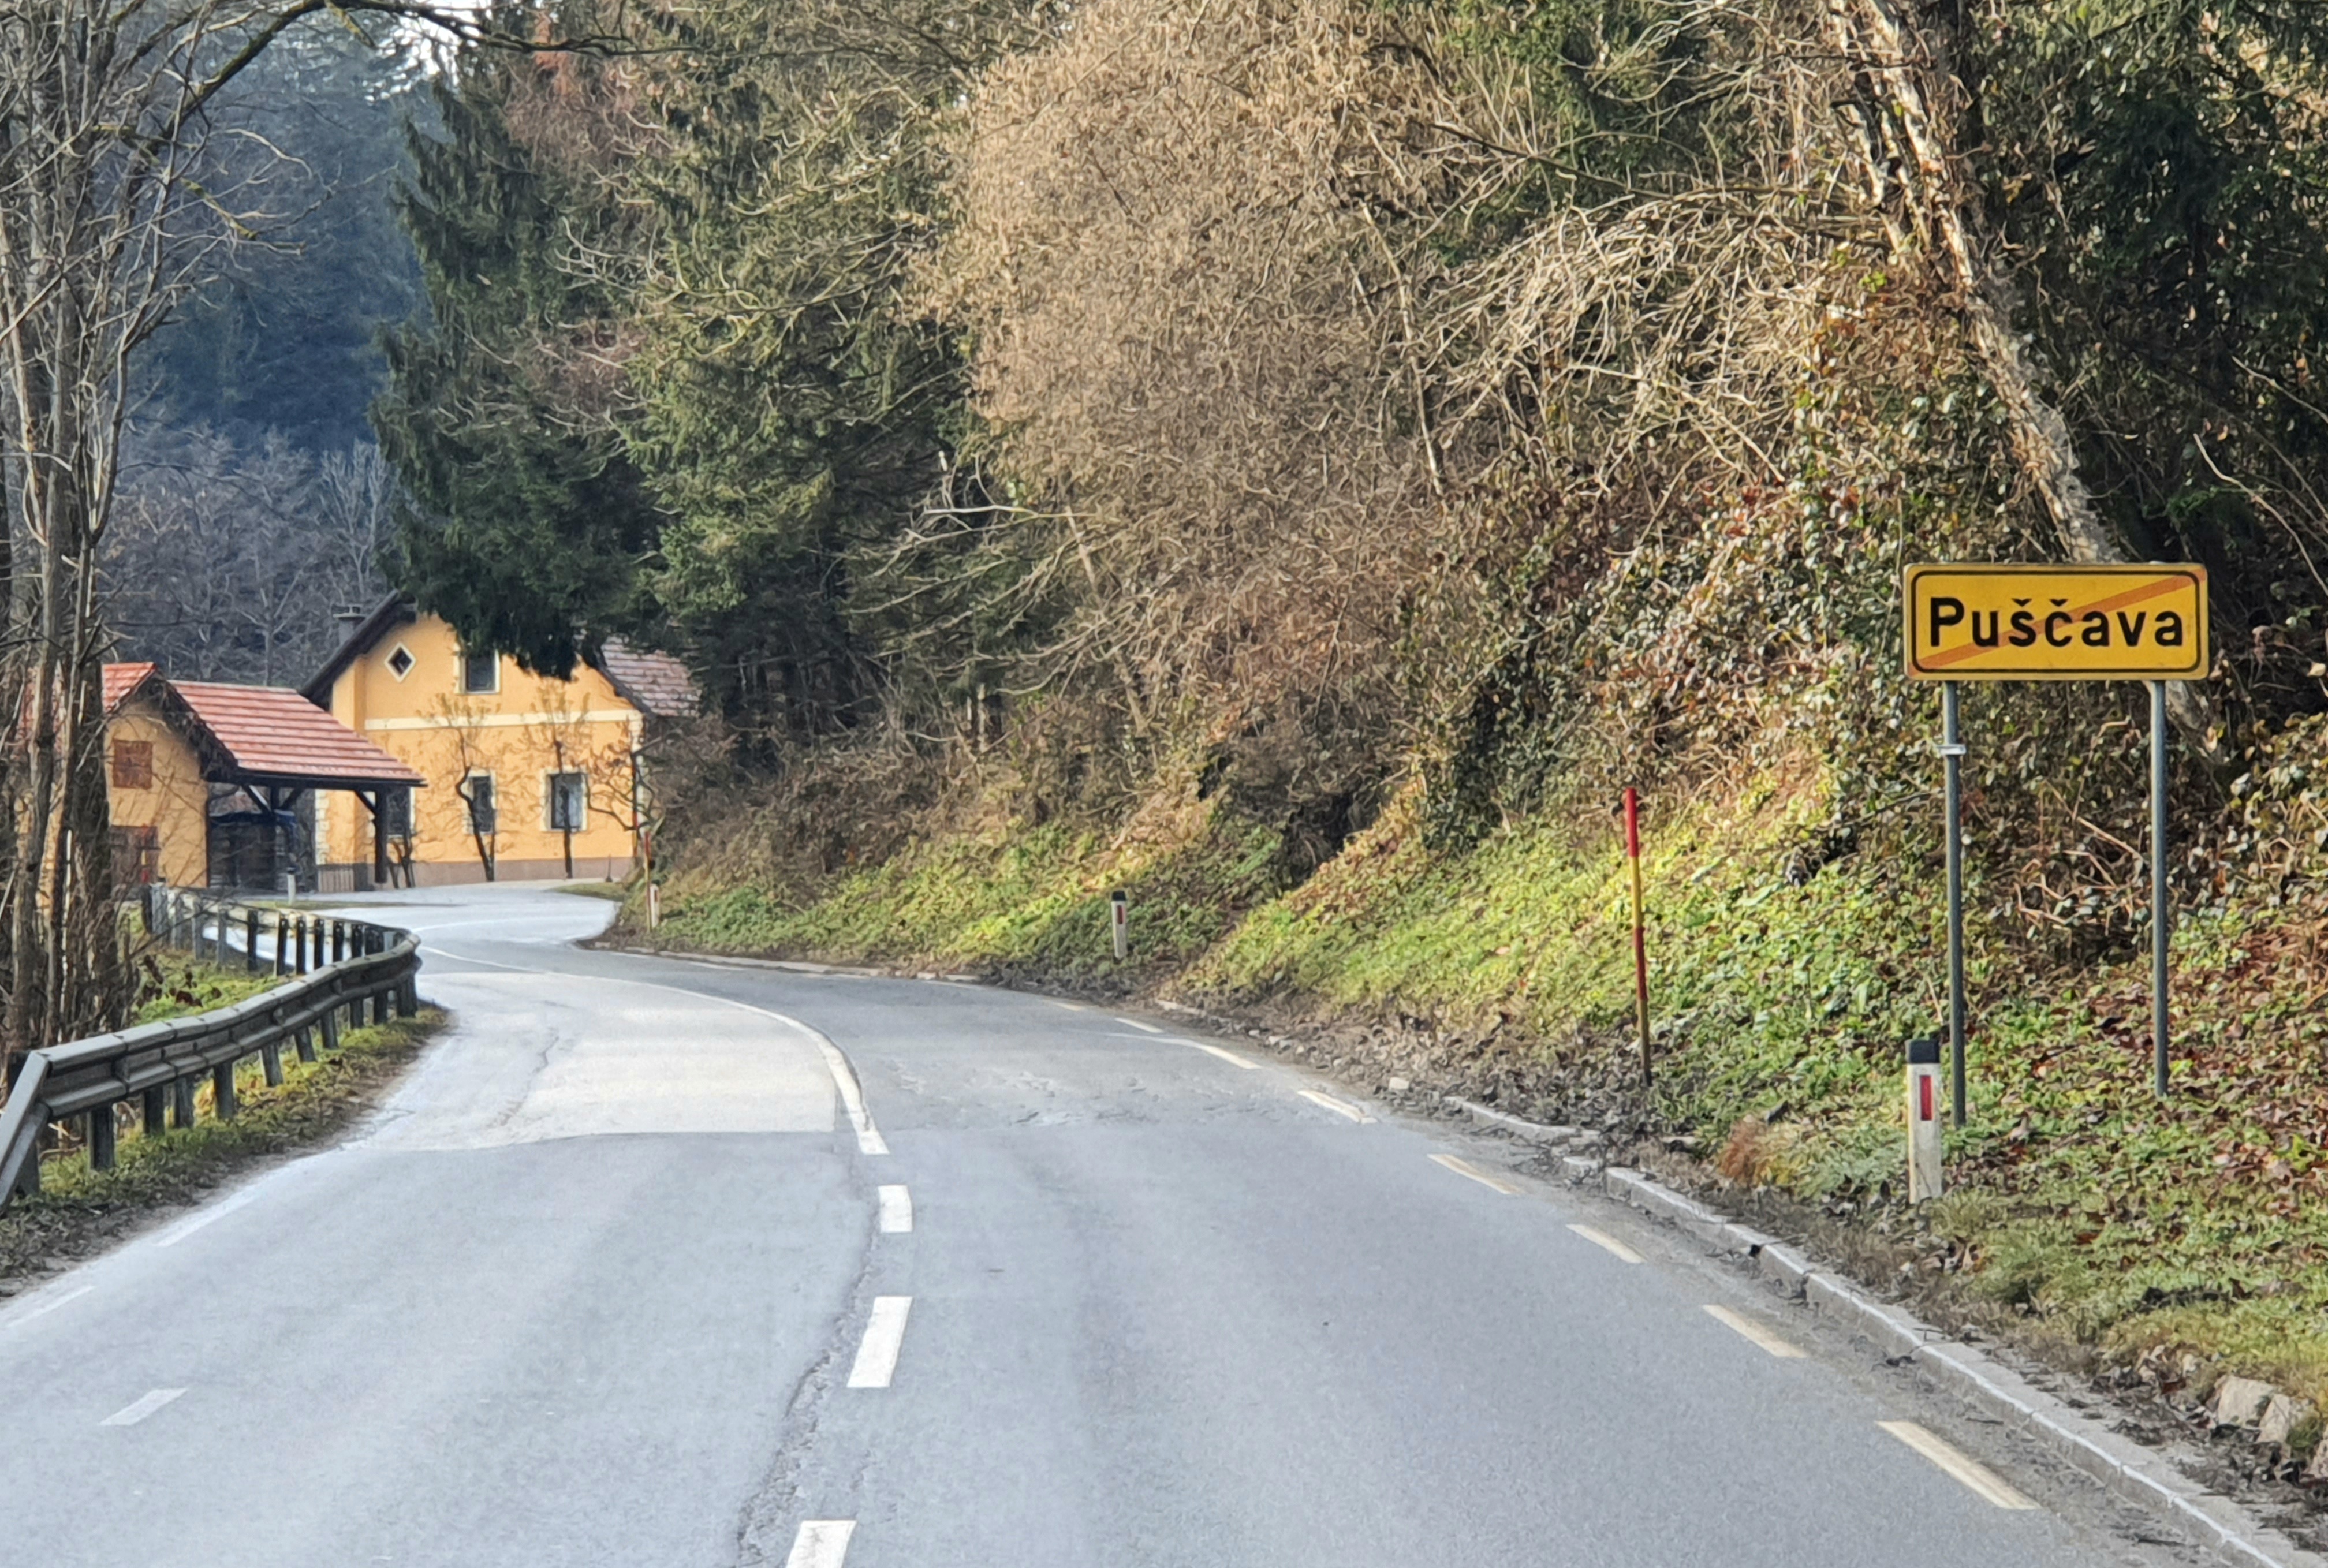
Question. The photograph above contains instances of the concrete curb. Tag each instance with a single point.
(2212, 1522)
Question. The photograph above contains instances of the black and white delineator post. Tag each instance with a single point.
(1924, 1119)
(1120, 912)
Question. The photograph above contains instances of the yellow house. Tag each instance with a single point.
(205, 782)
(527, 777)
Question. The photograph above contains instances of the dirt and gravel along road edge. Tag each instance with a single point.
(79, 1212)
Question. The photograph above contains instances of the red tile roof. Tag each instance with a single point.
(654, 683)
(121, 680)
(267, 732)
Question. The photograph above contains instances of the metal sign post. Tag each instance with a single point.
(2000, 622)
(2161, 913)
(1952, 755)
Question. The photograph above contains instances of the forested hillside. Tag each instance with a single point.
(1299, 462)
(255, 504)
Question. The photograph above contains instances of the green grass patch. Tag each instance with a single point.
(1034, 903)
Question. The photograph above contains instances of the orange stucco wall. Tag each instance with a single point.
(177, 804)
(519, 734)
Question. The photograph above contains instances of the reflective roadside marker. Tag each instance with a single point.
(1923, 1119)
(1121, 915)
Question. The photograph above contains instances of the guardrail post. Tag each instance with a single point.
(181, 1102)
(157, 1113)
(271, 1057)
(307, 1039)
(315, 936)
(223, 1091)
(100, 1137)
(146, 906)
(339, 939)
(282, 943)
(331, 1022)
(251, 941)
(300, 941)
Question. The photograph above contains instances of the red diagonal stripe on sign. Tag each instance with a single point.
(2149, 590)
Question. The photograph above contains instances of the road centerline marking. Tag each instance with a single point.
(131, 1414)
(1464, 1168)
(1135, 1023)
(1975, 1477)
(1755, 1332)
(1608, 1244)
(1339, 1107)
(821, 1544)
(896, 1210)
(885, 1336)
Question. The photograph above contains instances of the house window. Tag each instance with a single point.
(477, 792)
(566, 797)
(133, 765)
(136, 856)
(396, 813)
(400, 662)
(481, 674)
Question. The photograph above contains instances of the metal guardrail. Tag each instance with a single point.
(341, 970)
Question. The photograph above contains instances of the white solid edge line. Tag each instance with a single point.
(1231, 1057)
(1465, 1168)
(1073, 1007)
(1754, 1332)
(45, 1308)
(1607, 1244)
(896, 1210)
(1339, 1108)
(1135, 1023)
(1975, 1477)
(217, 1211)
(131, 1414)
(821, 1544)
(885, 1336)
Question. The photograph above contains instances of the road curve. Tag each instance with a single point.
(661, 1263)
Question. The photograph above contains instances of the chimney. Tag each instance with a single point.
(346, 619)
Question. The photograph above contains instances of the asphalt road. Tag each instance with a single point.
(621, 1276)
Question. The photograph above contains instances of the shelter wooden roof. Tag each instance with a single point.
(264, 734)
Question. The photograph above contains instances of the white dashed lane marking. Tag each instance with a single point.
(896, 1211)
(211, 1216)
(130, 1416)
(885, 1336)
(1607, 1244)
(1978, 1478)
(45, 1308)
(1466, 1169)
(1754, 1331)
(1339, 1107)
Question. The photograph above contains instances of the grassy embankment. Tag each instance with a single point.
(2087, 1220)
(78, 1209)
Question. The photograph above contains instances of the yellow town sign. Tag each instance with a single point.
(2056, 623)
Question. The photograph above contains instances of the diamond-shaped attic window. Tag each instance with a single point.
(399, 662)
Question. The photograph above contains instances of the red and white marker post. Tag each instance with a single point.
(1923, 1119)
(1640, 935)
(1120, 909)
